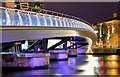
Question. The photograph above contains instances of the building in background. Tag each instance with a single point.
(33, 5)
(7, 3)
(30, 5)
(109, 32)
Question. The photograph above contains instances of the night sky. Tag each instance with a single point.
(92, 12)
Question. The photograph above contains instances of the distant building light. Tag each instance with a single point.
(114, 14)
(38, 49)
(17, 43)
(96, 31)
(15, 5)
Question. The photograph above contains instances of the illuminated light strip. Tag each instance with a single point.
(70, 22)
(20, 18)
(67, 23)
(45, 21)
(64, 23)
(91, 29)
(79, 25)
(30, 20)
(60, 22)
(8, 17)
(76, 25)
(49, 11)
(38, 21)
(51, 22)
(56, 13)
(56, 21)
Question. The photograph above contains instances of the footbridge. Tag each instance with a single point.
(30, 38)
(19, 25)
(26, 25)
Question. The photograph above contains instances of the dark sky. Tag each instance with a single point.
(92, 12)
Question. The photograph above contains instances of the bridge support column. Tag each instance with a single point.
(57, 55)
(65, 45)
(44, 44)
(15, 49)
(72, 52)
(24, 46)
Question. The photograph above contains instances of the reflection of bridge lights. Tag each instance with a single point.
(113, 57)
(90, 66)
(108, 61)
(100, 57)
(73, 60)
(102, 63)
(112, 72)
(89, 50)
(58, 74)
(113, 62)
(3, 20)
(102, 71)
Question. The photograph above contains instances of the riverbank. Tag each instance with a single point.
(106, 50)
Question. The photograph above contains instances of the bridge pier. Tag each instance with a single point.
(73, 52)
(16, 49)
(56, 55)
(25, 60)
(44, 44)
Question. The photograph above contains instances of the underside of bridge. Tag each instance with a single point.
(17, 33)
(27, 31)
(28, 39)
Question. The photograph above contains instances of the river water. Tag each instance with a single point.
(92, 65)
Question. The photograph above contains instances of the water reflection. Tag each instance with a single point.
(82, 65)
(108, 72)
(108, 65)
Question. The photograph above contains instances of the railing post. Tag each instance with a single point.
(1, 17)
(71, 22)
(38, 21)
(60, 19)
(76, 23)
(56, 21)
(45, 21)
(20, 18)
(68, 22)
(30, 20)
(64, 22)
(8, 18)
(51, 22)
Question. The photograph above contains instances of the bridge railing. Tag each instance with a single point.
(16, 17)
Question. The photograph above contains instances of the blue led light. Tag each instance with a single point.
(30, 19)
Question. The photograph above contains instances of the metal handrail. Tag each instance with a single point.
(50, 12)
